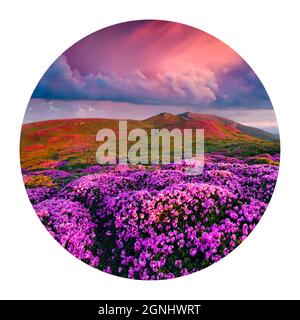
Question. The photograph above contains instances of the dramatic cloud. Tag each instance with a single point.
(194, 86)
(239, 87)
(153, 62)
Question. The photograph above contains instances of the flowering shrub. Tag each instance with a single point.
(182, 229)
(71, 225)
(153, 222)
(91, 189)
(39, 194)
(92, 169)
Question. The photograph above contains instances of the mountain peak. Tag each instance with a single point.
(188, 115)
(164, 116)
(195, 116)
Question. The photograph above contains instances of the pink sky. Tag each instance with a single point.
(150, 65)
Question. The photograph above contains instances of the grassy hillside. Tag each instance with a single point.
(47, 143)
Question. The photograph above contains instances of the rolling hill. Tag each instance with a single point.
(74, 139)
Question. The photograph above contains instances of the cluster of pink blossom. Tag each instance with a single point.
(155, 222)
(71, 225)
(179, 230)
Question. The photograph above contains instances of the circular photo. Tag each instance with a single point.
(149, 150)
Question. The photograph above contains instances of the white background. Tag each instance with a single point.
(34, 34)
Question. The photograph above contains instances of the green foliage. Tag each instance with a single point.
(242, 148)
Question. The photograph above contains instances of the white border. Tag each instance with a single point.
(265, 34)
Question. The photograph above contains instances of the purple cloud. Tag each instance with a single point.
(153, 62)
(191, 87)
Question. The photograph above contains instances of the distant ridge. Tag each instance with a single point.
(252, 131)
(210, 123)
